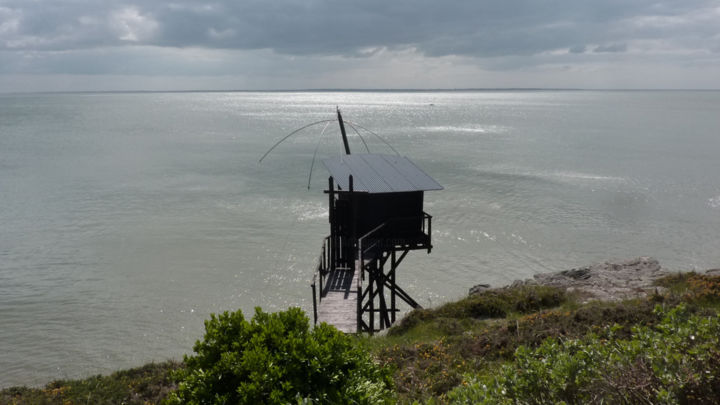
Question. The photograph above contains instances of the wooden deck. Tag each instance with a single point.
(338, 305)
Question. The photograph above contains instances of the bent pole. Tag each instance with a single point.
(291, 134)
(342, 131)
(353, 125)
(312, 164)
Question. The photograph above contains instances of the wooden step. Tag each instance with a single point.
(338, 305)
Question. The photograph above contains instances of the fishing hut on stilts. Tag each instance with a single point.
(375, 204)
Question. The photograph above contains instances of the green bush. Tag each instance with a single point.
(275, 358)
(675, 362)
(495, 303)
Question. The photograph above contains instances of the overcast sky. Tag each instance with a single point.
(300, 44)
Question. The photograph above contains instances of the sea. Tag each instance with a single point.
(126, 219)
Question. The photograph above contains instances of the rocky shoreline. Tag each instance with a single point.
(608, 281)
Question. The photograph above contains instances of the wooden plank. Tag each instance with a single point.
(338, 306)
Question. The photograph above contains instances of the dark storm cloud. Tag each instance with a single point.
(357, 28)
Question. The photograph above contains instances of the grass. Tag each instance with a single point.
(148, 384)
(432, 351)
(457, 316)
(433, 367)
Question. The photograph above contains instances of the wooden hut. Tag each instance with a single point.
(376, 216)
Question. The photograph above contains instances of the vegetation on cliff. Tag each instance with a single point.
(277, 359)
(523, 344)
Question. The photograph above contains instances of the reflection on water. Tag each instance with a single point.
(128, 218)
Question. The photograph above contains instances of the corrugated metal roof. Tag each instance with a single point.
(375, 173)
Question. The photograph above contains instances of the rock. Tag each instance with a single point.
(478, 289)
(609, 281)
(577, 274)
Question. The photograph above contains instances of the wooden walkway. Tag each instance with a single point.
(338, 305)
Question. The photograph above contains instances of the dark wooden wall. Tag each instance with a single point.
(402, 212)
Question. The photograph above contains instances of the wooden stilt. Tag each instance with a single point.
(393, 308)
(371, 299)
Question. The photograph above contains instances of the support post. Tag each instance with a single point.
(322, 286)
(331, 215)
(392, 290)
(359, 306)
(353, 220)
(429, 233)
(371, 297)
(314, 304)
(384, 318)
(324, 261)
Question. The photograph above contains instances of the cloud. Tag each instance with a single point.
(331, 27)
(610, 48)
(130, 25)
(187, 37)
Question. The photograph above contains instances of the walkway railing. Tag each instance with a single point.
(321, 271)
(375, 242)
(369, 246)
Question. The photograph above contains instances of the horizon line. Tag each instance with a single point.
(355, 90)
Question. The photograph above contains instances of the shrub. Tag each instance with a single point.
(275, 358)
(676, 362)
(496, 303)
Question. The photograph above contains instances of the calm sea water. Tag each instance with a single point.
(126, 219)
